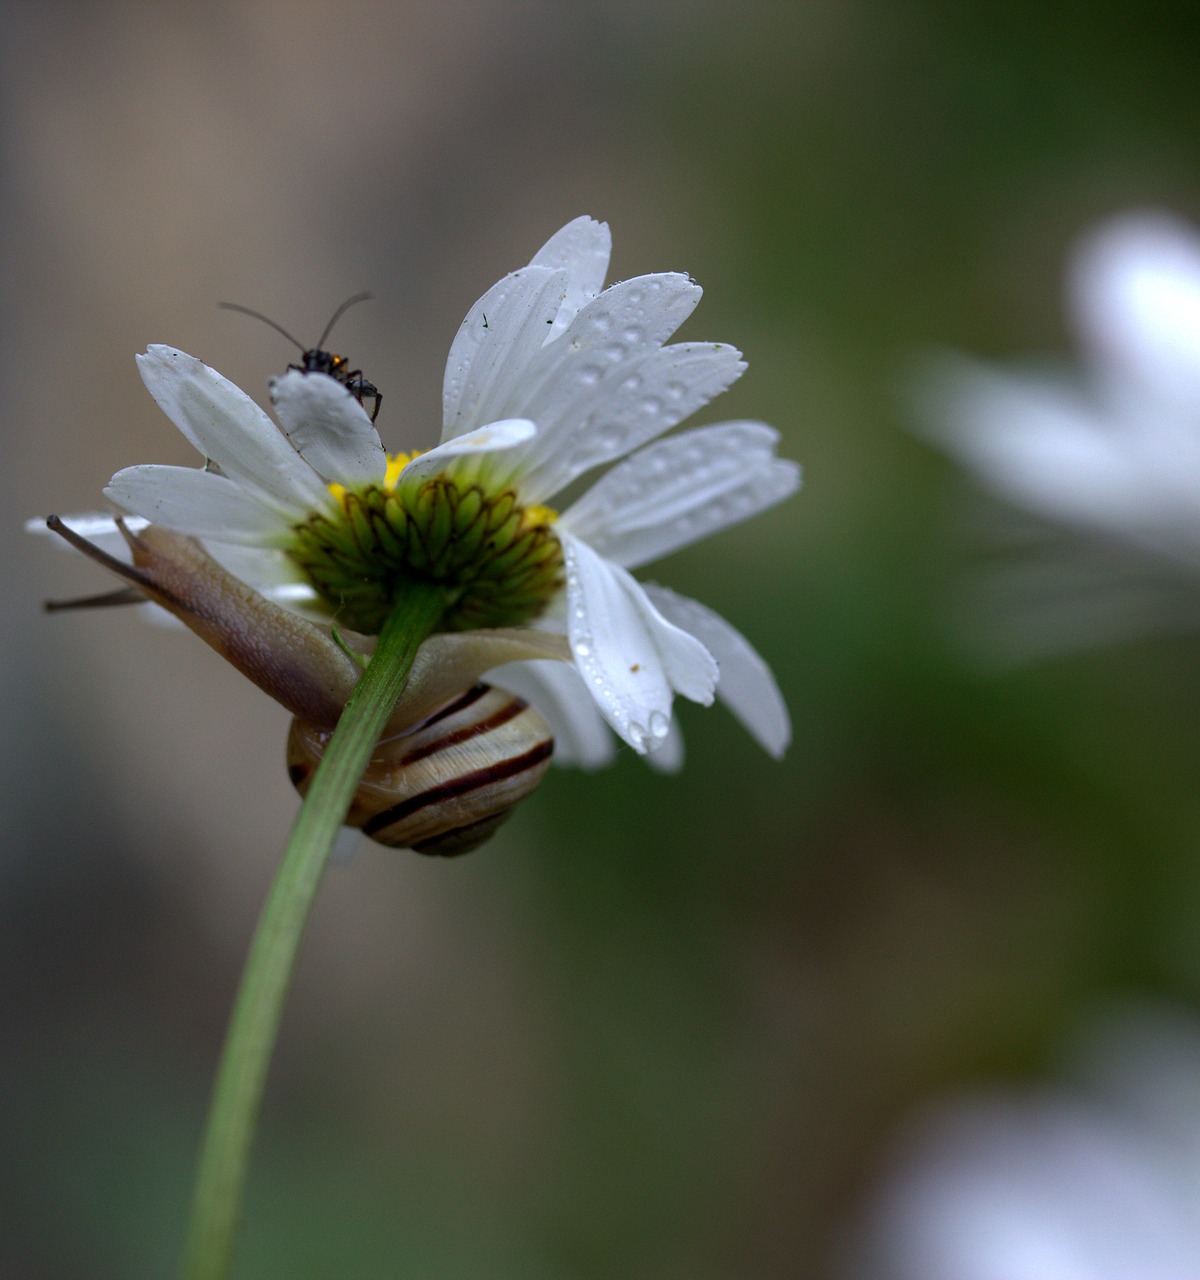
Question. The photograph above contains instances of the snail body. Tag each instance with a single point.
(444, 785)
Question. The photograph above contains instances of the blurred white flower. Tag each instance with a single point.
(549, 377)
(1108, 458)
(1098, 1180)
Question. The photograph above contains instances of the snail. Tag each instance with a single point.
(456, 754)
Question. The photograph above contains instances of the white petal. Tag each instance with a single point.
(632, 659)
(225, 425)
(582, 248)
(332, 431)
(201, 503)
(597, 418)
(668, 756)
(634, 314)
(581, 736)
(1038, 443)
(491, 352)
(746, 684)
(682, 489)
(495, 437)
(604, 345)
(1135, 290)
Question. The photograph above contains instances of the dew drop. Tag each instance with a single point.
(651, 405)
(660, 726)
(614, 351)
(632, 382)
(632, 333)
(675, 390)
(637, 736)
(609, 438)
(582, 648)
(589, 375)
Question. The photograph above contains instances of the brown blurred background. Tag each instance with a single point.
(659, 1026)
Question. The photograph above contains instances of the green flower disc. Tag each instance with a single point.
(499, 562)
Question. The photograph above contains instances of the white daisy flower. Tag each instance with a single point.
(1109, 457)
(549, 377)
(1098, 1180)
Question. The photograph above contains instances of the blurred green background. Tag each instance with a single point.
(659, 1027)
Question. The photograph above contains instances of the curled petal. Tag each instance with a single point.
(632, 659)
(746, 684)
(332, 431)
(226, 426)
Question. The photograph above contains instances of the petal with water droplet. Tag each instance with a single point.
(636, 659)
(492, 350)
(682, 489)
(582, 248)
(746, 685)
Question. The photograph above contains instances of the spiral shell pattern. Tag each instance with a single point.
(445, 785)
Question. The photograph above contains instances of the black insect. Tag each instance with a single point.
(318, 360)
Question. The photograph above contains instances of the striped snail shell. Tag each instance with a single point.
(446, 784)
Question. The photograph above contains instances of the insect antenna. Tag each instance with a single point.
(258, 315)
(337, 315)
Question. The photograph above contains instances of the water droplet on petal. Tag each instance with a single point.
(609, 438)
(637, 736)
(582, 648)
(660, 726)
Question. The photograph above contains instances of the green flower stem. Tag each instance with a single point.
(221, 1174)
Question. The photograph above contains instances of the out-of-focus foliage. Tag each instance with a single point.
(659, 1026)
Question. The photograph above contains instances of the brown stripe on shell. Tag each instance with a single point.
(446, 784)
(460, 787)
(506, 713)
(472, 695)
